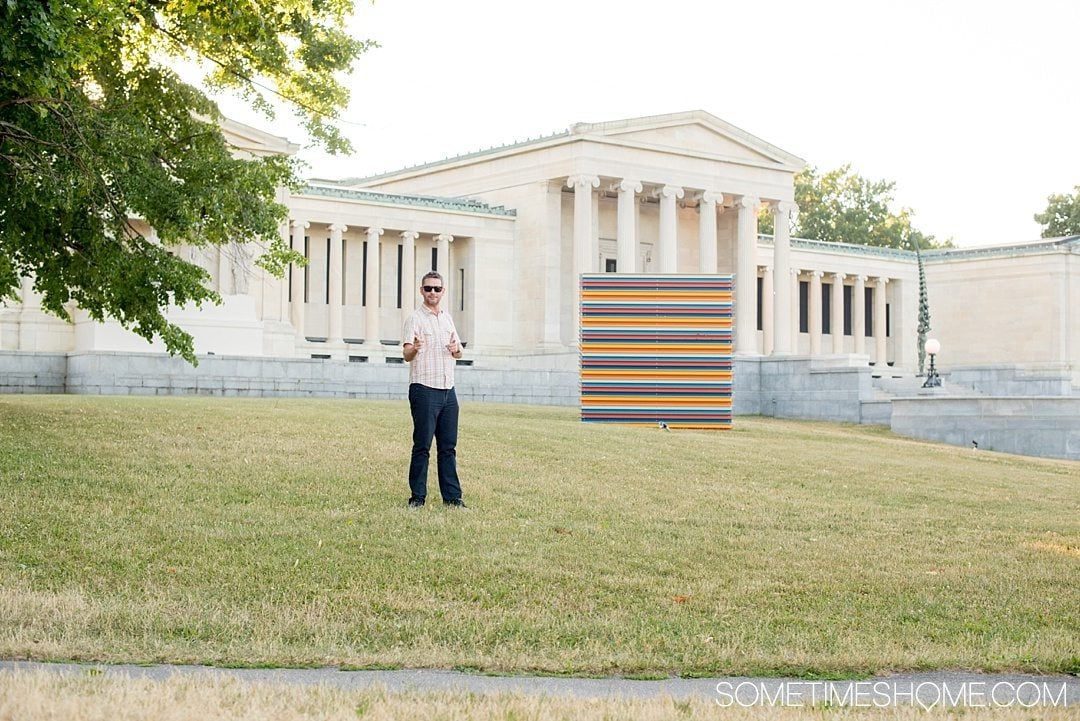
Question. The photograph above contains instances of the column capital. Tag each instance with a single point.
(672, 191)
(817, 273)
(838, 276)
(409, 235)
(767, 269)
(338, 228)
(862, 278)
(784, 206)
(882, 281)
(629, 186)
(300, 224)
(444, 238)
(748, 202)
(584, 180)
(711, 197)
(374, 231)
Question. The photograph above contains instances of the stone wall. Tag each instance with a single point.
(23, 372)
(1047, 426)
(794, 387)
(1013, 380)
(106, 373)
(828, 389)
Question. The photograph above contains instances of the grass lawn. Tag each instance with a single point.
(274, 532)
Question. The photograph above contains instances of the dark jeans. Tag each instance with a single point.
(434, 414)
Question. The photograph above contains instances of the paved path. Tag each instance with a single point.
(928, 690)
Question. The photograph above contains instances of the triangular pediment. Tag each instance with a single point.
(695, 133)
(253, 141)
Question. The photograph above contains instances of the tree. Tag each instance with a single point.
(95, 129)
(841, 206)
(1062, 215)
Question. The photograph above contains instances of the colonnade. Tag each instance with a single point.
(772, 291)
(709, 202)
(780, 301)
(585, 241)
(294, 293)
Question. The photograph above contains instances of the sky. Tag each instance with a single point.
(971, 108)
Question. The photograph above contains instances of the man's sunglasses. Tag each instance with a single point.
(432, 288)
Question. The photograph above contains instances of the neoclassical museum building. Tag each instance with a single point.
(513, 227)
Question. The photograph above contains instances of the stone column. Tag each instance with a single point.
(555, 289)
(224, 269)
(26, 291)
(783, 320)
(626, 232)
(880, 349)
(669, 249)
(409, 281)
(767, 311)
(746, 278)
(299, 278)
(442, 242)
(858, 314)
(334, 308)
(583, 225)
(283, 283)
(27, 338)
(372, 331)
(836, 316)
(814, 312)
(707, 230)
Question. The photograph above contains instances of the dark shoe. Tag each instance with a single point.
(416, 502)
(456, 503)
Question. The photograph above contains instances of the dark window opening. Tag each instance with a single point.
(826, 307)
(868, 312)
(400, 271)
(760, 295)
(307, 267)
(847, 309)
(344, 265)
(804, 306)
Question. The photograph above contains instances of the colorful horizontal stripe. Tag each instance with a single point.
(656, 349)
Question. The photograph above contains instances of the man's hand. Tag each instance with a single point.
(453, 346)
(411, 350)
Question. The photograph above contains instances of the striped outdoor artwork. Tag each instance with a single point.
(656, 349)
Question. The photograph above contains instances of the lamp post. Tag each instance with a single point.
(932, 348)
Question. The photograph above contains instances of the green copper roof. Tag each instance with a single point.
(422, 201)
(846, 248)
(1070, 244)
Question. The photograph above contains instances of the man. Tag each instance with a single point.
(431, 347)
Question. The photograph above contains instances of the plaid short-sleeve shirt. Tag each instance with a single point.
(433, 365)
